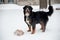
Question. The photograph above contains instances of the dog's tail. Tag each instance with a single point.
(50, 12)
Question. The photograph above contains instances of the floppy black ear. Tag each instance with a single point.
(24, 7)
(31, 8)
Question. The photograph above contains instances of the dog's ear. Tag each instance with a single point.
(31, 8)
(24, 7)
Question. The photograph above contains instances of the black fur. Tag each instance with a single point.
(37, 17)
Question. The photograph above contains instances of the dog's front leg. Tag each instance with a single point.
(29, 28)
(33, 28)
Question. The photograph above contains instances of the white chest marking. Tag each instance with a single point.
(27, 20)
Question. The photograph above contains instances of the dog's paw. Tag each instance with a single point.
(33, 32)
(28, 30)
(41, 28)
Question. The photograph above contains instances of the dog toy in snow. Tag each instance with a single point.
(19, 32)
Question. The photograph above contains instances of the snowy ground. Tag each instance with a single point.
(12, 18)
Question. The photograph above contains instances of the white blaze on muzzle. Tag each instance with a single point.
(27, 12)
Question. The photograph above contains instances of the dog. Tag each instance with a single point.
(32, 18)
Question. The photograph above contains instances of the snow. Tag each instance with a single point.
(12, 18)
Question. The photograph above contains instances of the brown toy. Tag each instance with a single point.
(19, 32)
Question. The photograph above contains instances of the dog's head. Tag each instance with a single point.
(27, 10)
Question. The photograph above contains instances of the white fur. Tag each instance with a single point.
(27, 14)
(27, 20)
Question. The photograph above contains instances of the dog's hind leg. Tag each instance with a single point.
(43, 26)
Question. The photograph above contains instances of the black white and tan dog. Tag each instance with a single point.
(32, 18)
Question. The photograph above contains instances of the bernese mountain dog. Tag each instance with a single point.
(32, 18)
